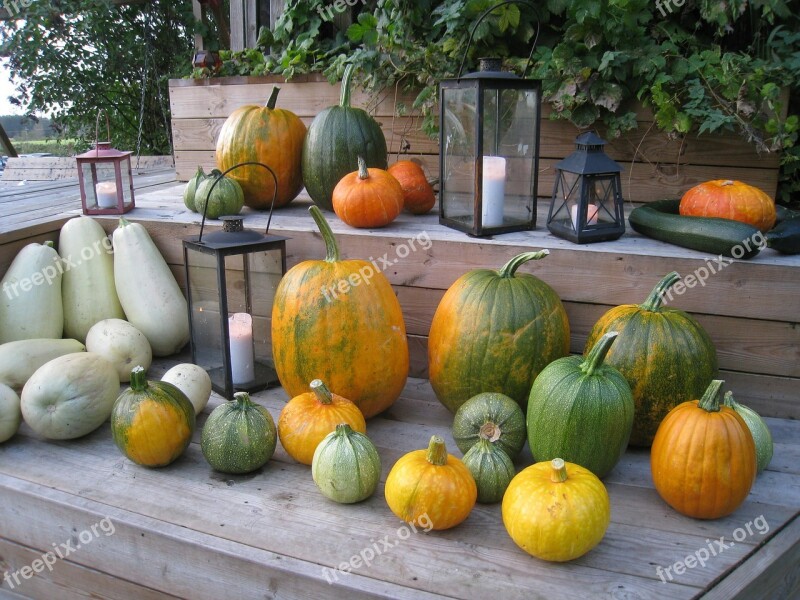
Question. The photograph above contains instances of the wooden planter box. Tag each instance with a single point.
(655, 166)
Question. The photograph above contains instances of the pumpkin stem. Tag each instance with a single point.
(559, 473)
(656, 297)
(138, 379)
(321, 391)
(273, 97)
(344, 99)
(344, 429)
(49, 244)
(710, 399)
(437, 452)
(363, 172)
(200, 171)
(508, 269)
(598, 353)
(242, 400)
(489, 431)
(727, 182)
(123, 222)
(729, 401)
(331, 247)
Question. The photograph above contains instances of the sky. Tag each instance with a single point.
(6, 89)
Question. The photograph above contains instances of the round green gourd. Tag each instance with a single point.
(227, 197)
(491, 468)
(491, 416)
(346, 466)
(239, 436)
(335, 139)
(191, 189)
(758, 429)
(581, 410)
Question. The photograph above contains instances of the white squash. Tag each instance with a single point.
(121, 344)
(148, 292)
(30, 295)
(87, 288)
(193, 381)
(70, 396)
(19, 360)
(10, 414)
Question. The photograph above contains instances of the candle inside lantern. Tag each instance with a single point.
(106, 194)
(240, 333)
(591, 214)
(494, 191)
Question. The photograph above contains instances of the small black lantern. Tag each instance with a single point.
(231, 278)
(489, 147)
(587, 201)
(104, 174)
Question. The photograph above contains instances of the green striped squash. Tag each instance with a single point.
(493, 417)
(491, 468)
(758, 428)
(346, 466)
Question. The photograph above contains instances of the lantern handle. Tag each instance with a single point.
(97, 130)
(486, 14)
(219, 178)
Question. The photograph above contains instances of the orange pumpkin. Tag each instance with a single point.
(418, 195)
(367, 197)
(703, 458)
(269, 135)
(309, 417)
(727, 199)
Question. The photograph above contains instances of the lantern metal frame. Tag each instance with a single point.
(482, 81)
(222, 244)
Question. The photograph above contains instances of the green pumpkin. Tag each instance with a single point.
(227, 197)
(335, 139)
(493, 331)
(493, 417)
(239, 436)
(666, 356)
(346, 466)
(581, 410)
(191, 189)
(491, 468)
(758, 428)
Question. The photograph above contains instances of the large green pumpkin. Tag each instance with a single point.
(493, 332)
(581, 410)
(336, 138)
(239, 436)
(664, 353)
(346, 466)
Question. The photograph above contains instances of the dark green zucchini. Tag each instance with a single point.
(660, 220)
(785, 237)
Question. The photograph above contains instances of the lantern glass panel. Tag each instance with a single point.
(567, 192)
(266, 270)
(600, 199)
(125, 175)
(206, 319)
(458, 136)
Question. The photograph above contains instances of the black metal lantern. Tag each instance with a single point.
(587, 195)
(489, 148)
(104, 174)
(231, 278)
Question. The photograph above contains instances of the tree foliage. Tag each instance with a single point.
(70, 58)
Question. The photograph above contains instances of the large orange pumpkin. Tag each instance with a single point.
(269, 135)
(340, 321)
(703, 457)
(367, 197)
(727, 199)
(418, 195)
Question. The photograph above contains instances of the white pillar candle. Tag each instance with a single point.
(493, 191)
(240, 333)
(591, 214)
(106, 194)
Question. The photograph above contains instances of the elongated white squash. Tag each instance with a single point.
(88, 291)
(10, 413)
(30, 295)
(147, 290)
(19, 360)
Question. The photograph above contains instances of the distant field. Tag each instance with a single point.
(62, 148)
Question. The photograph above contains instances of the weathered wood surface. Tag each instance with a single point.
(655, 166)
(274, 532)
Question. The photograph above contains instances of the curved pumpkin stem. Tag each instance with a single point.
(331, 247)
(138, 379)
(242, 400)
(437, 451)
(508, 269)
(123, 222)
(321, 391)
(710, 400)
(656, 297)
(344, 99)
(559, 473)
(273, 97)
(729, 401)
(344, 429)
(363, 172)
(598, 353)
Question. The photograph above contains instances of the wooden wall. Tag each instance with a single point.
(654, 166)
